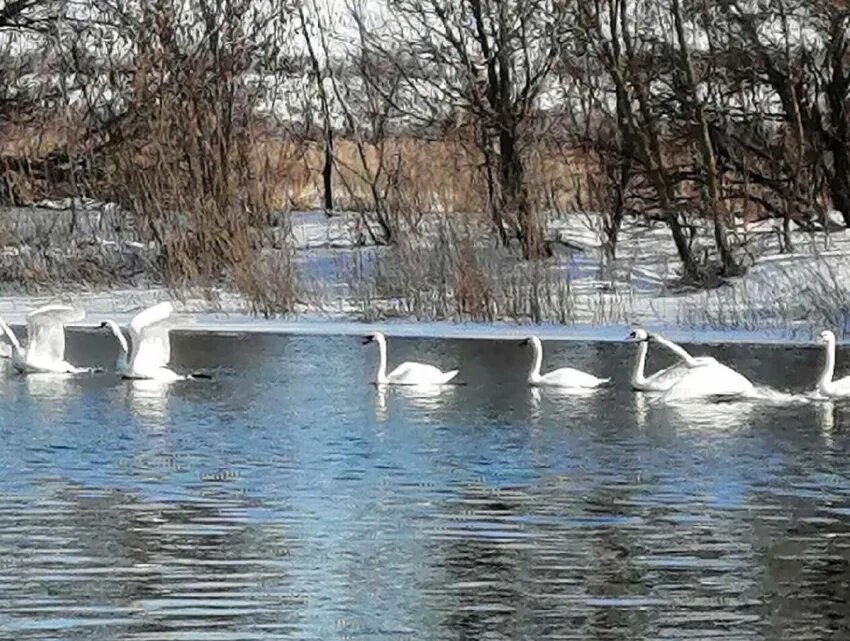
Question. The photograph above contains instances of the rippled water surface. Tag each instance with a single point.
(288, 498)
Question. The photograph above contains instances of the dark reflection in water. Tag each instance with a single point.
(289, 498)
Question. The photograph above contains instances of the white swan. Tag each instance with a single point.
(408, 373)
(151, 350)
(663, 379)
(564, 377)
(45, 350)
(122, 362)
(826, 386)
(706, 377)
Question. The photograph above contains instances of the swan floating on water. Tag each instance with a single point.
(826, 386)
(663, 379)
(408, 373)
(45, 350)
(151, 351)
(566, 377)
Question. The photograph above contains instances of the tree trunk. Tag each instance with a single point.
(839, 184)
(327, 129)
(836, 89)
(645, 138)
(493, 201)
(715, 203)
(327, 169)
(515, 196)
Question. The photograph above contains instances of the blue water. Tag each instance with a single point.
(288, 498)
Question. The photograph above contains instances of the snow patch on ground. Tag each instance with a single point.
(781, 296)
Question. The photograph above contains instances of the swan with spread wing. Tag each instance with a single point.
(151, 346)
(660, 381)
(45, 349)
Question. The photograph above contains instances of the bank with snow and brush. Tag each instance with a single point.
(443, 268)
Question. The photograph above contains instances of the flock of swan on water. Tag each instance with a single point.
(45, 350)
(148, 354)
(691, 377)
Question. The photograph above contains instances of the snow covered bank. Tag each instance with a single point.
(343, 282)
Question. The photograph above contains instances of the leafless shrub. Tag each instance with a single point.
(699, 114)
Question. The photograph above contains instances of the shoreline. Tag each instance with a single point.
(229, 316)
(245, 324)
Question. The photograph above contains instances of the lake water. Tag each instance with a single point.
(289, 499)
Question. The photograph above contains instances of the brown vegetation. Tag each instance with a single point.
(200, 119)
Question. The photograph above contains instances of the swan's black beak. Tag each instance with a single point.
(367, 340)
(103, 325)
(524, 342)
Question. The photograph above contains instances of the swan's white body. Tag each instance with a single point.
(408, 373)
(567, 377)
(705, 377)
(826, 386)
(45, 350)
(151, 350)
(663, 379)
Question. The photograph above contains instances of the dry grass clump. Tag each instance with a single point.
(272, 287)
(45, 269)
(462, 273)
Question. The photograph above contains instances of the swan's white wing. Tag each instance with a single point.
(151, 343)
(56, 314)
(151, 316)
(664, 379)
(411, 373)
(570, 377)
(46, 331)
(678, 350)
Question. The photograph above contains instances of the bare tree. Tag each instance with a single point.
(320, 72)
(494, 59)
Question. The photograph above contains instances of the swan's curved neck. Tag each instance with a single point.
(16, 344)
(828, 366)
(382, 364)
(638, 377)
(119, 335)
(677, 350)
(537, 363)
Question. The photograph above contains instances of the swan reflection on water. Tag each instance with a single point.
(148, 399)
(642, 403)
(711, 414)
(49, 387)
(826, 417)
(559, 395)
(568, 403)
(381, 392)
(427, 398)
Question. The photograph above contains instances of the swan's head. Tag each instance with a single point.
(110, 325)
(531, 340)
(638, 335)
(826, 337)
(374, 337)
